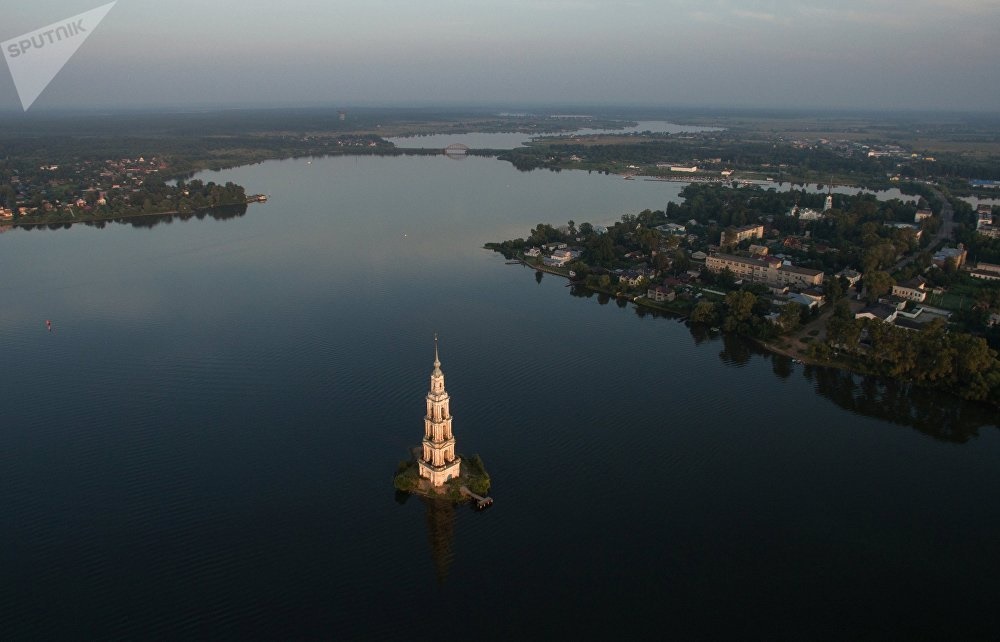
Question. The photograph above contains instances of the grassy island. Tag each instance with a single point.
(474, 477)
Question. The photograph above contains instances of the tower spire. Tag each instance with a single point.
(438, 463)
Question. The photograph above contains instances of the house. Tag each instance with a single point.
(661, 293)
(533, 252)
(631, 278)
(921, 215)
(913, 290)
(559, 258)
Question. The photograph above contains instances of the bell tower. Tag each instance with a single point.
(438, 462)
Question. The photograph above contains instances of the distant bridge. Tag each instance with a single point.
(456, 150)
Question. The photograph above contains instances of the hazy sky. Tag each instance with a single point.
(936, 54)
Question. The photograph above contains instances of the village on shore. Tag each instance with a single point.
(849, 281)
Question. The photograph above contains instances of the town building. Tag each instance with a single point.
(917, 232)
(984, 215)
(880, 311)
(990, 231)
(852, 276)
(913, 290)
(733, 235)
(984, 222)
(921, 215)
(671, 228)
(438, 462)
(770, 271)
(986, 271)
(958, 254)
(805, 213)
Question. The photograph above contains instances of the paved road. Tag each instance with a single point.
(943, 235)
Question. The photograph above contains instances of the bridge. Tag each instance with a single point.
(456, 150)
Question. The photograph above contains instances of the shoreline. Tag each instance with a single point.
(794, 352)
(118, 217)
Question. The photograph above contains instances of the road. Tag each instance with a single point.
(943, 235)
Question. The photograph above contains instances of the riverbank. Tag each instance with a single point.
(231, 208)
(807, 344)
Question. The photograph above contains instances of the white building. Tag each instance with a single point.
(438, 462)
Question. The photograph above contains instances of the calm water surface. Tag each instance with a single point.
(203, 445)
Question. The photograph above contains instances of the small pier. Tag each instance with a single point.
(481, 502)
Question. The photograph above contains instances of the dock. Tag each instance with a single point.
(481, 502)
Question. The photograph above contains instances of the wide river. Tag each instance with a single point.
(203, 444)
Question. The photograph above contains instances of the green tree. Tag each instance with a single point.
(833, 289)
(704, 312)
(790, 317)
(739, 304)
(877, 284)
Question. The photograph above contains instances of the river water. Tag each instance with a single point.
(204, 442)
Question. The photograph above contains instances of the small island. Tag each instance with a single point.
(435, 470)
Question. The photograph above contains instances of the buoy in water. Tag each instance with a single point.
(48, 324)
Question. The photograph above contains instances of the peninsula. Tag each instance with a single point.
(904, 289)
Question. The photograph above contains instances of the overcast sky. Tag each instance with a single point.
(920, 54)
